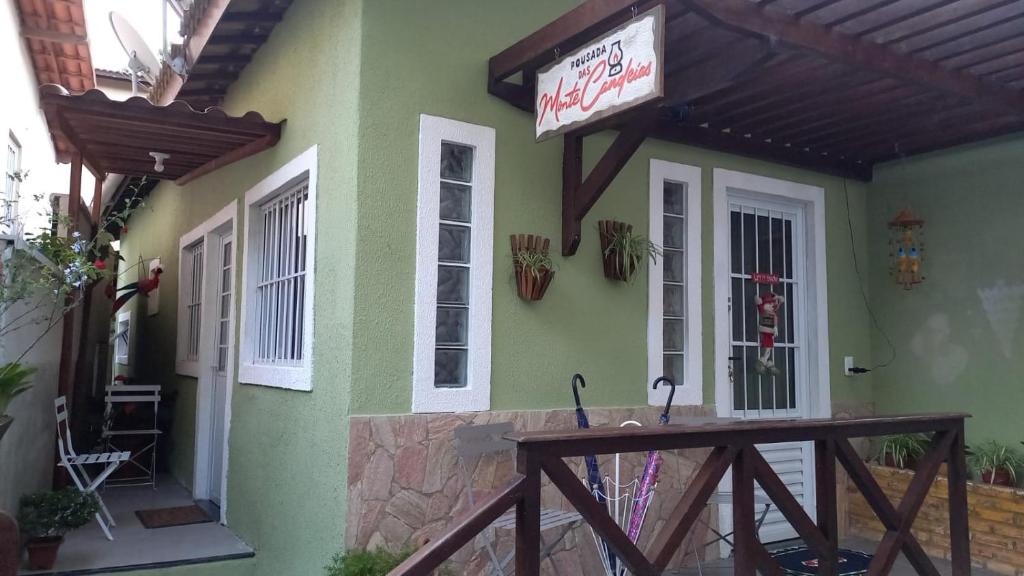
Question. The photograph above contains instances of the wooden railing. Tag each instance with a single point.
(733, 444)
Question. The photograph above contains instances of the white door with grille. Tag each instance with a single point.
(224, 282)
(766, 250)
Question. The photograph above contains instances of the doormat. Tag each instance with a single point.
(801, 561)
(176, 516)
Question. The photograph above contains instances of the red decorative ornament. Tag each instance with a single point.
(768, 308)
(100, 264)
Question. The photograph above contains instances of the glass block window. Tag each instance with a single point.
(227, 277)
(674, 311)
(12, 175)
(455, 222)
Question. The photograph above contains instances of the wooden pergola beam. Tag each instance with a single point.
(51, 36)
(748, 18)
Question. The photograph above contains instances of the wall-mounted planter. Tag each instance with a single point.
(623, 253)
(533, 267)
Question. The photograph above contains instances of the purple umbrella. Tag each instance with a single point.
(593, 472)
(651, 470)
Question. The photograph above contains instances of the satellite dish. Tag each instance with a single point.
(141, 60)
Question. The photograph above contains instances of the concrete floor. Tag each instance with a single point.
(901, 568)
(87, 551)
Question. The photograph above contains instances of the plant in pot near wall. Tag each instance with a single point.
(45, 517)
(533, 266)
(996, 463)
(623, 251)
(902, 450)
(14, 379)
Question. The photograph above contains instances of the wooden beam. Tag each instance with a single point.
(52, 36)
(527, 550)
(743, 522)
(959, 534)
(746, 17)
(827, 504)
(235, 155)
(435, 552)
(691, 504)
(596, 514)
(97, 203)
(790, 507)
(608, 167)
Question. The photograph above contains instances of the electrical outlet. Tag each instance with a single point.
(848, 366)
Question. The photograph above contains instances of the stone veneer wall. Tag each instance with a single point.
(404, 489)
(996, 517)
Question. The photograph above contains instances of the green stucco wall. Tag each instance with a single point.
(585, 323)
(287, 449)
(951, 352)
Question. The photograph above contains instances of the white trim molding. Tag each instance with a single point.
(476, 394)
(123, 352)
(293, 377)
(812, 198)
(691, 390)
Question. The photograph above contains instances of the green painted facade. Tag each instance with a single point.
(585, 323)
(353, 77)
(287, 461)
(959, 336)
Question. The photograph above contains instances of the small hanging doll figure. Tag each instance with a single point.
(768, 309)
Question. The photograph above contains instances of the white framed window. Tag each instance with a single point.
(194, 289)
(673, 303)
(454, 267)
(12, 182)
(277, 274)
(123, 338)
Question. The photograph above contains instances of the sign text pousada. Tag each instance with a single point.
(620, 70)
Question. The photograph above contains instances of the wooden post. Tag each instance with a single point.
(97, 202)
(572, 178)
(828, 517)
(528, 514)
(745, 536)
(959, 530)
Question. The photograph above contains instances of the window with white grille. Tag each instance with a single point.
(12, 181)
(674, 312)
(192, 299)
(277, 304)
(454, 253)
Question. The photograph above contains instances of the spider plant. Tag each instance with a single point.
(996, 463)
(902, 450)
(13, 381)
(625, 251)
(533, 266)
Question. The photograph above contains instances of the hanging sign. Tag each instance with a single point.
(616, 72)
(764, 278)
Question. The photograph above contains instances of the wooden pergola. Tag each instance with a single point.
(835, 86)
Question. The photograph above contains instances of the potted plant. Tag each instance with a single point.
(996, 463)
(377, 562)
(45, 517)
(13, 381)
(902, 450)
(624, 251)
(533, 266)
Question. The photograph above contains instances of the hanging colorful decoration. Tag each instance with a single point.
(906, 248)
(768, 308)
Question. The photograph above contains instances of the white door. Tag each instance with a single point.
(221, 356)
(766, 234)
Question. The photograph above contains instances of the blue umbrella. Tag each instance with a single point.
(597, 487)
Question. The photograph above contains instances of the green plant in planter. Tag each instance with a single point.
(902, 450)
(366, 562)
(13, 381)
(535, 262)
(996, 463)
(625, 251)
(45, 517)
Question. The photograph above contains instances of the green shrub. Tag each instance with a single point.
(13, 381)
(365, 562)
(44, 514)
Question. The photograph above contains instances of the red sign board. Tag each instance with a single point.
(764, 278)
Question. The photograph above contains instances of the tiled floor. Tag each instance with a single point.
(87, 551)
(901, 568)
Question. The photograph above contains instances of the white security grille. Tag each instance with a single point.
(281, 278)
(224, 304)
(193, 299)
(8, 204)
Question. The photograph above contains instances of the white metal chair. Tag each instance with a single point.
(472, 443)
(76, 463)
(148, 396)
